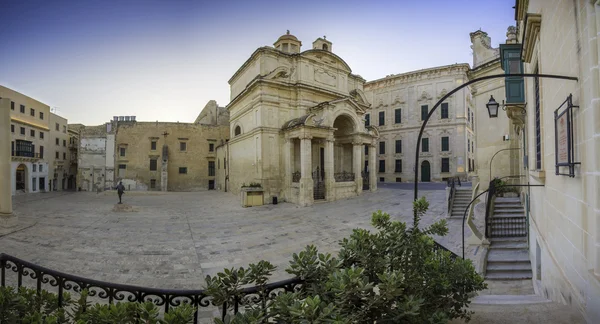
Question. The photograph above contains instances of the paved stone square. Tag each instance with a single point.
(173, 240)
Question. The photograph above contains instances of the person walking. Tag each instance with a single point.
(120, 190)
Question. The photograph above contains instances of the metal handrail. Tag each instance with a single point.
(452, 186)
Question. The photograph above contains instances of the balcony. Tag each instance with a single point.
(26, 156)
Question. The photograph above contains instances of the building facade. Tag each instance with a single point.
(297, 125)
(58, 153)
(400, 104)
(29, 140)
(561, 131)
(96, 157)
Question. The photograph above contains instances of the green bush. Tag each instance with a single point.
(25, 306)
(501, 186)
(391, 276)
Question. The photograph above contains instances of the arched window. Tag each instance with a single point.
(325, 48)
(238, 131)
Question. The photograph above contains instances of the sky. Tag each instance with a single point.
(165, 59)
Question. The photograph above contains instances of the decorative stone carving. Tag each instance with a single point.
(325, 77)
(425, 96)
(278, 73)
(442, 93)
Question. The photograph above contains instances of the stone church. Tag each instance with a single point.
(297, 123)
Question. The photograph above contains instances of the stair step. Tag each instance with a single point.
(509, 245)
(519, 233)
(508, 266)
(503, 225)
(509, 275)
(509, 211)
(507, 256)
(503, 216)
(504, 206)
(508, 239)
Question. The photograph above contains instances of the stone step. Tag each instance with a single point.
(505, 226)
(502, 200)
(509, 275)
(507, 256)
(519, 233)
(509, 211)
(508, 266)
(509, 239)
(508, 245)
(509, 216)
(509, 300)
(511, 205)
(508, 220)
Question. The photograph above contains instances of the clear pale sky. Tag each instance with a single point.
(164, 60)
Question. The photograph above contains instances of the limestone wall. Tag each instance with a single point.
(565, 213)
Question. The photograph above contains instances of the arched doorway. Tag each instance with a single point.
(425, 171)
(21, 178)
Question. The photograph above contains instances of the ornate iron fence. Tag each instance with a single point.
(343, 176)
(112, 292)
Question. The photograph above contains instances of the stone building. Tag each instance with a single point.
(96, 157)
(561, 37)
(400, 103)
(171, 156)
(494, 147)
(30, 141)
(297, 125)
(57, 153)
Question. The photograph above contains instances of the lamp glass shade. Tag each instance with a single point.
(492, 107)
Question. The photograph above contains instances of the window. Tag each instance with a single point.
(34, 167)
(381, 166)
(65, 129)
(34, 183)
(122, 151)
(398, 116)
(211, 168)
(153, 145)
(12, 105)
(22, 130)
(398, 167)
(445, 164)
(444, 110)
(12, 128)
(41, 115)
(32, 112)
(57, 141)
(473, 146)
(381, 147)
(367, 119)
(425, 145)
(538, 127)
(424, 112)
(152, 183)
(42, 135)
(182, 146)
(41, 168)
(366, 149)
(41, 156)
(122, 170)
(183, 170)
(238, 131)
(64, 156)
(153, 164)
(445, 143)
(64, 143)
(325, 48)
(211, 147)
(224, 163)
(219, 164)
(469, 114)
(56, 155)
(22, 109)
(32, 132)
(381, 118)
(398, 146)
(398, 179)
(57, 127)
(122, 166)
(468, 145)
(381, 179)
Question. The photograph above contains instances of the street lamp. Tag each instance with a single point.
(492, 107)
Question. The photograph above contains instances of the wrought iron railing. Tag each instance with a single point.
(488, 208)
(452, 185)
(112, 292)
(344, 176)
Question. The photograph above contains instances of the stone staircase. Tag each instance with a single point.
(508, 256)
(462, 197)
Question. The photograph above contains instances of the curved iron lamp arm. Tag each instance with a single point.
(453, 91)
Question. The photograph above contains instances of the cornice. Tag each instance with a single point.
(484, 68)
(533, 23)
(431, 73)
(28, 123)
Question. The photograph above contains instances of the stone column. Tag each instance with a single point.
(5, 185)
(356, 165)
(372, 168)
(306, 181)
(329, 171)
(288, 146)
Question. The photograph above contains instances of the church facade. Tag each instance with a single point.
(297, 123)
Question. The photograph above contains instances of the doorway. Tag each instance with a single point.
(425, 171)
(42, 184)
(20, 177)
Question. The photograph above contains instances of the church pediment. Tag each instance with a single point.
(360, 98)
(327, 58)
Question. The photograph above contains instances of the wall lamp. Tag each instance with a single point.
(493, 106)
